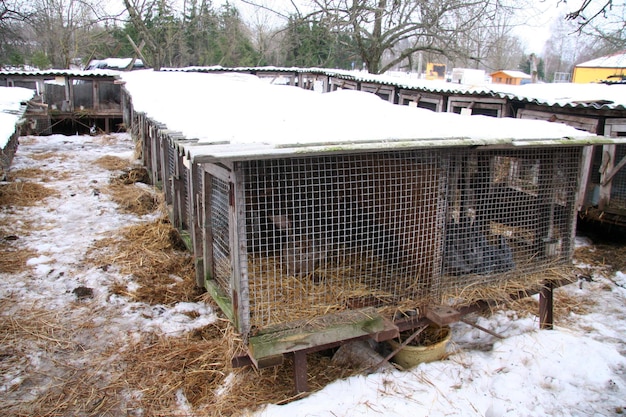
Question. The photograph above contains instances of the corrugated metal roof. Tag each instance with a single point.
(60, 73)
(616, 60)
(564, 95)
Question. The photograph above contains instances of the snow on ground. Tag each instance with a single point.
(80, 333)
(578, 369)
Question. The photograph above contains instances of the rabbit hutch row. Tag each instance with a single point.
(317, 219)
(596, 108)
(12, 110)
(68, 100)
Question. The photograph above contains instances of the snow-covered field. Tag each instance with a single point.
(74, 341)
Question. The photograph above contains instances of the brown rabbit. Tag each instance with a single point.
(302, 255)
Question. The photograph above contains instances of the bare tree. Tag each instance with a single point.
(63, 28)
(398, 29)
(588, 11)
(491, 45)
(13, 13)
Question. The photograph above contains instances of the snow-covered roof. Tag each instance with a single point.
(237, 116)
(567, 95)
(11, 110)
(513, 74)
(60, 73)
(616, 60)
(114, 63)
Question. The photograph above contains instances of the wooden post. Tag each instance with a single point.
(300, 371)
(195, 223)
(608, 162)
(546, 306)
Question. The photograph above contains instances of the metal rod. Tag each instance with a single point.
(396, 350)
(494, 334)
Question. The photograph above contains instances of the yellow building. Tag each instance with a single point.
(509, 77)
(435, 71)
(607, 68)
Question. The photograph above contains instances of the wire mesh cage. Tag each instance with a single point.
(617, 200)
(303, 237)
(606, 188)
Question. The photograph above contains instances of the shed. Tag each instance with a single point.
(310, 230)
(12, 109)
(117, 64)
(385, 91)
(607, 68)
(83, 99)
(343, 83)
(510, 77)
(422, 99)
(606, 188)
(479, 104)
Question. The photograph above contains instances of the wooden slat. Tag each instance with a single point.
(303, 335)
(584, 123)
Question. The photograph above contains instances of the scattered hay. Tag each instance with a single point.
(136, 200)
(105, 139)
(26, 173)
(200, 366)
(112, 163)
(12, 257)
(39, 174)
(23, 193)
(152, 254)
(159, 366)
(612, 258)
(47, 386)
(507, 290)
(564, 305)
(132, 176)
(48, 155)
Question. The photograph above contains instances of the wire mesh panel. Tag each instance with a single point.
(618, 183)
(326, 234)
(510, 214)
(218, 200)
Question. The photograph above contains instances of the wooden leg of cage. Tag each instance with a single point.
(300, 371)
(546, 305)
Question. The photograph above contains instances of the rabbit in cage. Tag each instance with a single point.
(301, 254)
(468, 251)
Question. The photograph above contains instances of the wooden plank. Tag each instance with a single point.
(238, 250)
(613, 127)
(615, 170)
(608, 159)
(588, 124)
(307, 334)
(442, 315)
(220, 298)
(546, 306)
(583, 179)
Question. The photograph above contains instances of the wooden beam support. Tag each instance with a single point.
(300, 371)
(442, 315)
(307, 334)
(546, 306)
